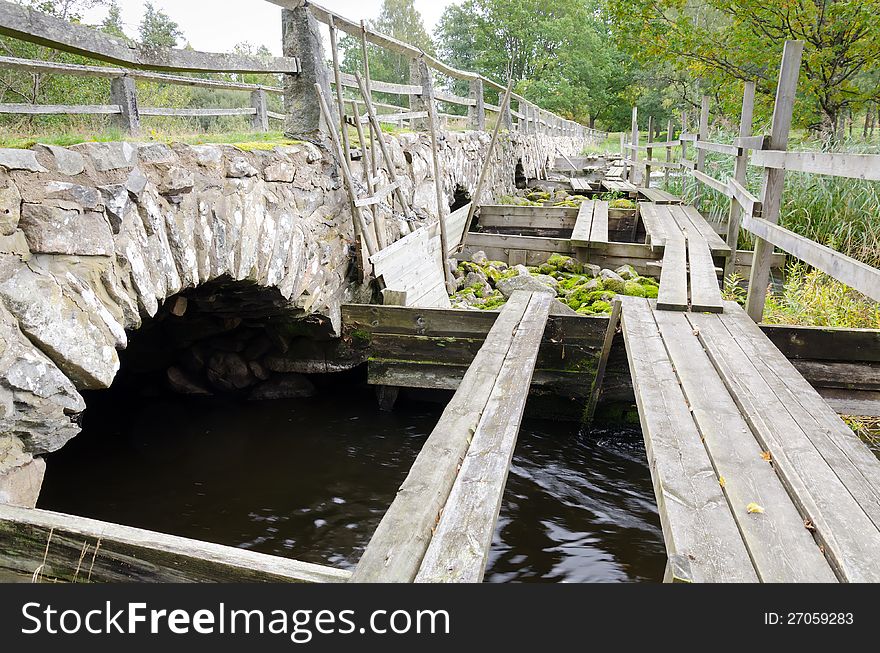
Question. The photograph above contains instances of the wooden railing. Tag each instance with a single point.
(759, 216)
(138, 63)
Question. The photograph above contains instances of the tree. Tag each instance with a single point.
(157, 30)
(113, 22)
(718, 41)
(557, 52)
(400, 19)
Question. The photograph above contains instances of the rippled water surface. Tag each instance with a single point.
(310, 479)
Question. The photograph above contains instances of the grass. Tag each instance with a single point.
(610, 144)
(868, 429)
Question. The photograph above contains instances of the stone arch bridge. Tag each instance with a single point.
(98, 239)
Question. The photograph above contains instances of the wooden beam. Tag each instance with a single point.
(78, 549)
(774, 179)
(836, 164)
(712, 183)
(398, 545)
(37, 27)
(855, 274)
(459, 548)
(720, 148)
(610, 333)
(154, 111)
(60, 109)
(745, 200)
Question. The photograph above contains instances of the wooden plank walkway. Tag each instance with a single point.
(615, 186)
(486, 408)
(756, 477)
(591, 228)
(659, 196)
(688, 277)
(580, 185)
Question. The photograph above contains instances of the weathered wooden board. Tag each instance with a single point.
(460, 544)
(673, 294)
(78, 549)
(687, 215)
(580, 185)
(853, 273)
(396, 549)
(697, 522)
(848, 535)
(654, 229)
(783, 551)
(580, 236)
(657, 195)
(837, 164)
(599, 225)
(705, 291)
(619, 186)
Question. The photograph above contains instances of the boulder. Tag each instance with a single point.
(283, 386)
(12, 159)
(240, 167)
(182, 383)
(279, 171)
(480, 258)
(176, 181)
(610, 275)
(109, 156)
(20, 486)
(67, 162)
(155, 153)
(528, 283)
(627, 272)
(85, 197)
(37, 401)
(10, 210)
(52, 230)
(229, 372)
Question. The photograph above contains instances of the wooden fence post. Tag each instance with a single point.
(506, 117)
(633, 150)
(739, 174)
(668, 154)
(649, 152)
(260, 102)
(302, 39)
(124, 93)
(701, 154)
(477, 112)
(685, 174)
(774, 178)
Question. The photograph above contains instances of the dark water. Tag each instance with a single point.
(310, 479)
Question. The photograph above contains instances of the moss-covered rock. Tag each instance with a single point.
(634, 289)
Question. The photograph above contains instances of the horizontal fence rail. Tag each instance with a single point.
(134, 62)
(759, 217)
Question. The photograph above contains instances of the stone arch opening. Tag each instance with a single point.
(460, 198)
(519, 175)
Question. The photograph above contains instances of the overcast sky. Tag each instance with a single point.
(217, 25)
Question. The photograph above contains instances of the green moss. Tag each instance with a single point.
(614, 285)
(600, 306)
(634, 289)
(651, 292)
(361, 337)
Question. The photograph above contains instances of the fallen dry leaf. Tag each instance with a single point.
(766, 456)
(721, 481)
(754, 508)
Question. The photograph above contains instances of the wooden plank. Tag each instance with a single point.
(836, 164)
(116, 553)
(716, 243)
(153, 111)
(443, 96)
(852, 461)
(37, 27)
(534, 212)
(460, 545)
(721, 148)
(848, 535)
(349, 80)
(696, 519)
(398, 117)
(825, 343)
(749, 203)
(379, 195)
(578, 184)
(613, 324)
(687, 164)
(711, 182)
(654, 230)
(65, 109)
(519, 221)
(659, 163)
(599, 226)
(751, 142)
(398, 545)
(705, 292)
(581, 234)
(855, 274)
(783, 551)
(673, 293)
(528, 243)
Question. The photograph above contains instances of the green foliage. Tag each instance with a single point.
(558, 52)
(811, 298)
(719, 41)
(400, 19)
(157, 30)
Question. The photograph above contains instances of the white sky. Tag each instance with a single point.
(217, 25)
